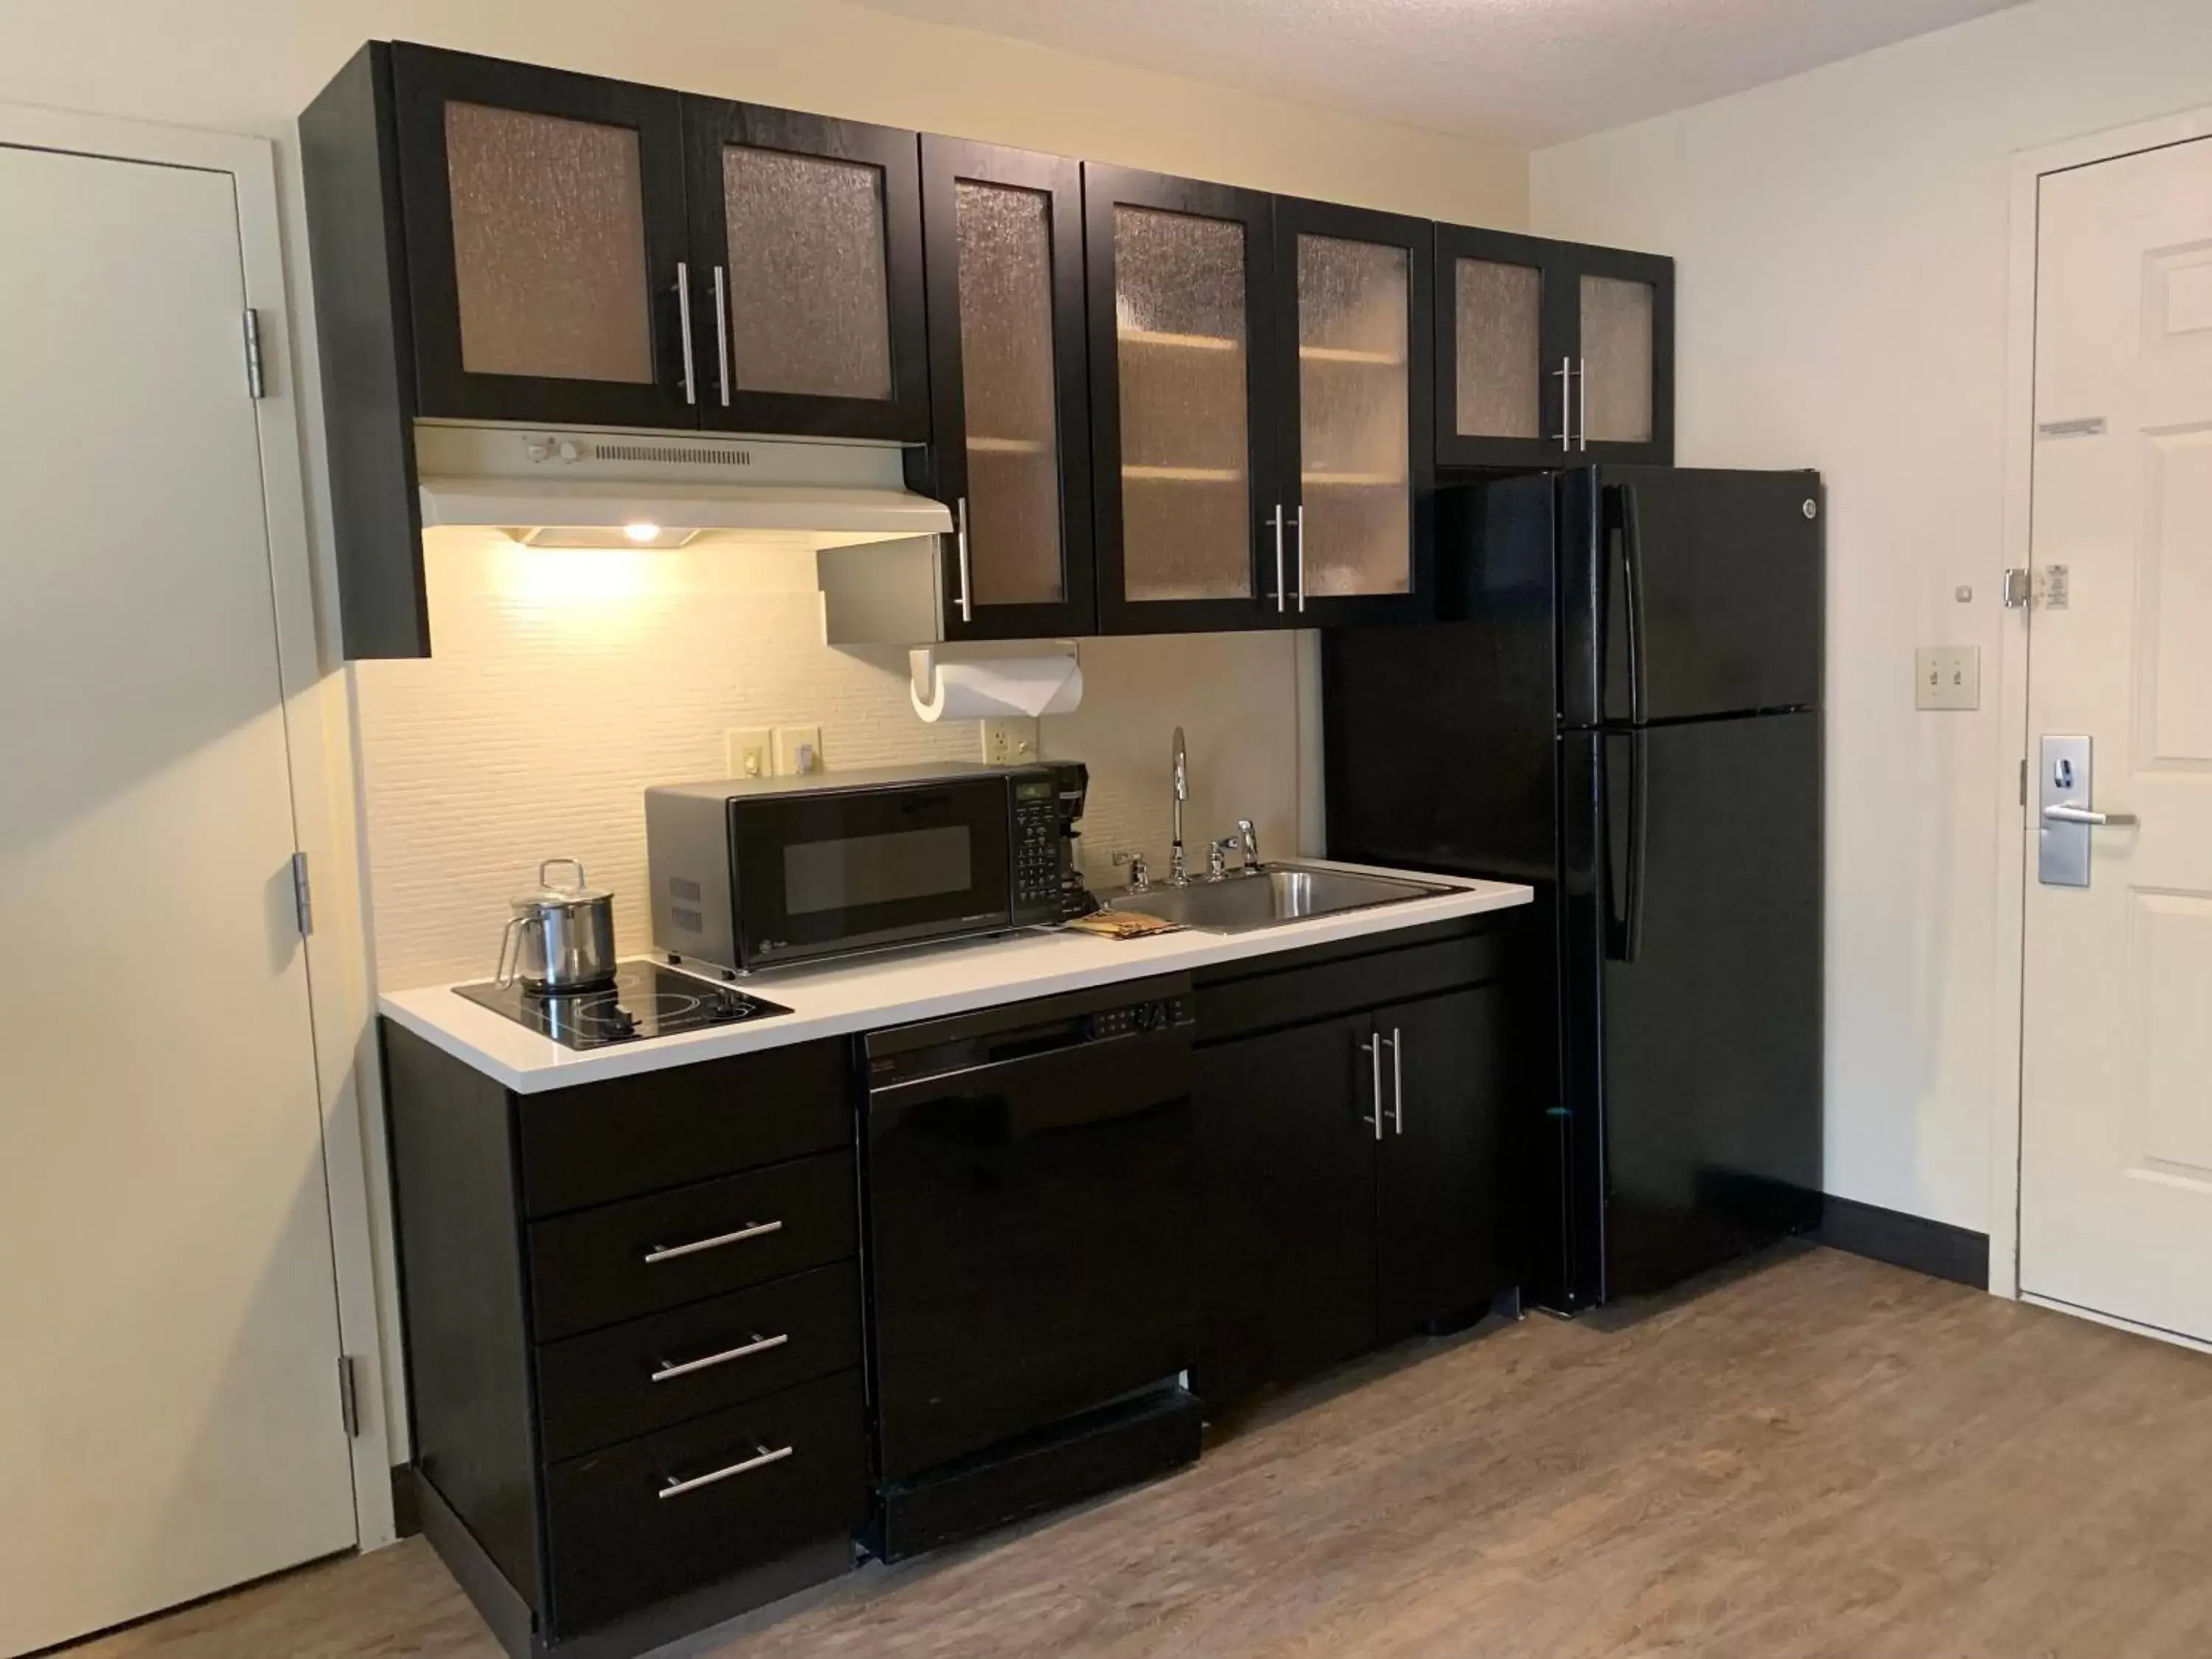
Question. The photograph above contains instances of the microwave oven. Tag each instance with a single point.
(749, 873)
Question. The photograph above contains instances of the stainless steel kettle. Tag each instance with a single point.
(560, 938)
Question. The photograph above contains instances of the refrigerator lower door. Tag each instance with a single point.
(1698, 958)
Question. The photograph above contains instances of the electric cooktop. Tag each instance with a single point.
(644, 1000)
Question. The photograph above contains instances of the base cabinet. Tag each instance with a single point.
(1350, 1164)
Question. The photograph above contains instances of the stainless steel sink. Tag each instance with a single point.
(1280, 893)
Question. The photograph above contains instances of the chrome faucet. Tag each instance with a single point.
(1248, 840)
(1178, 869)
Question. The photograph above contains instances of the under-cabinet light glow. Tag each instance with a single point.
(642, 531)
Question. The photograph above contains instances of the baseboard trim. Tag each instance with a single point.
(1934, 1247)
(406, 1513)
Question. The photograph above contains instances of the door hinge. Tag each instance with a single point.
(303, 894)
(2018, 589)
(349, 1395)
(2023, 780)
(255, 386)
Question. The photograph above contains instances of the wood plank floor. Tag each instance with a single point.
(1822, 1458)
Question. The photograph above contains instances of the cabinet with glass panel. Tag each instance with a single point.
(1551, 354)
(1260, 407)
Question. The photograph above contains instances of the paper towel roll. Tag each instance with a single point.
(998, 688)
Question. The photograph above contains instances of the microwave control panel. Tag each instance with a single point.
(1036, 850)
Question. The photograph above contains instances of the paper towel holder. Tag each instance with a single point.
(923, 661)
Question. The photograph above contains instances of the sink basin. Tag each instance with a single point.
(1281, 893)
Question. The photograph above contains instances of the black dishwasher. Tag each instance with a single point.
(1032, 1205)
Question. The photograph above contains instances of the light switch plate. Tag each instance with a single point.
(749, 751)
(1010, 742)
(1947, 677)
(797, 750)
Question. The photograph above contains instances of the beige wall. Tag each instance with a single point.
(1841, 240)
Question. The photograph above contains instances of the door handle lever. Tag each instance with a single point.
(2083, 815)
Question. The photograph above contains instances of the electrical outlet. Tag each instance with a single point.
(797, 750)
(1011, 742)
(1947, 677)
(750, 752)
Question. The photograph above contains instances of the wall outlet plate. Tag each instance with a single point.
(1011, 742)
(797, 750)
(1946, 677)
(749, 751)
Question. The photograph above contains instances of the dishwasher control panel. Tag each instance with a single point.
(1153, 1016)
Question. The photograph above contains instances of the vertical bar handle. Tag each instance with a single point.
(1373, 1050)
(1565, 371)
(1582, 402)
(1298, 529)
(722, 333)
(1277, 522)
(1632, 571)
(960, 547)
(1397, 1081)
(683, 326)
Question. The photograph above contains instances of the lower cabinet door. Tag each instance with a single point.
(1437, 1244)
(1286, 1161)
(675, 1510)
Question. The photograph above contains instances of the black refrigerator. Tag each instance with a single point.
(1625, 712)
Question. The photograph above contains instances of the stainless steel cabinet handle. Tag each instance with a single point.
(722, 334)
(1299, 528)
(670, 1252)
(758, 1345)
(1373, 1050)
(1397, 1081)
(1565, 371)
(2083, 815)
(676, 1488)
(1279, 558)
(1582, 402)
(683, 326)
(960, 547)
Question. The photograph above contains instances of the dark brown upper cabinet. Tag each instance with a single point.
(806, 273)
(1551, 354)
(1355, 362)
(1188, 473)
(544, 235)
(1009, 388)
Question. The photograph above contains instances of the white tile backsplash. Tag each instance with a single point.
(563, 683)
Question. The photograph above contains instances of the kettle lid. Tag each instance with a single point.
(549, 891)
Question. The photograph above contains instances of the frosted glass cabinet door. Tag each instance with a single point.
(1623, 354)
(1003, 240)
(1504, 341)
(1360, 282)
(1178, 278)
(809, 308)
(545, 230)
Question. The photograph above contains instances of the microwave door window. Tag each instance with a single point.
(862, 872)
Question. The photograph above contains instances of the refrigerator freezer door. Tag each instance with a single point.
(1692, 978)
(1689, 593)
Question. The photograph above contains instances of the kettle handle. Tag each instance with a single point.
(510, 940)
(577, 865)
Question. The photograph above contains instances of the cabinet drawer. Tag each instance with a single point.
(608, 1140)
(622, 1261)
(770, 1476)
(632, 1378)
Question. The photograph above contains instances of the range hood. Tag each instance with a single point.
(579, 488)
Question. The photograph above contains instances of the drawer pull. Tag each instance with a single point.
(676, 1488)
(758, 1345)
(670, 1252)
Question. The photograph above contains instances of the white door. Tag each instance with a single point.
(169, 1413)
(2115, 1164)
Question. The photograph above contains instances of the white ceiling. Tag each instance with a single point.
(1530, 72)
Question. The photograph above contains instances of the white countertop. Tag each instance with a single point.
(862, 993)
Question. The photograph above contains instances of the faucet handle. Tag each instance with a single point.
(1141, 876)
(1217, 858)
(1248, 838)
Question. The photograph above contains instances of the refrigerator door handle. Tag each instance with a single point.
(1631, 571)
(1624, 928)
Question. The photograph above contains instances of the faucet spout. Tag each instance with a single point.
(1179, 791)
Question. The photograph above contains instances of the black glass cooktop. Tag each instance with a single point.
(645, 1000)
